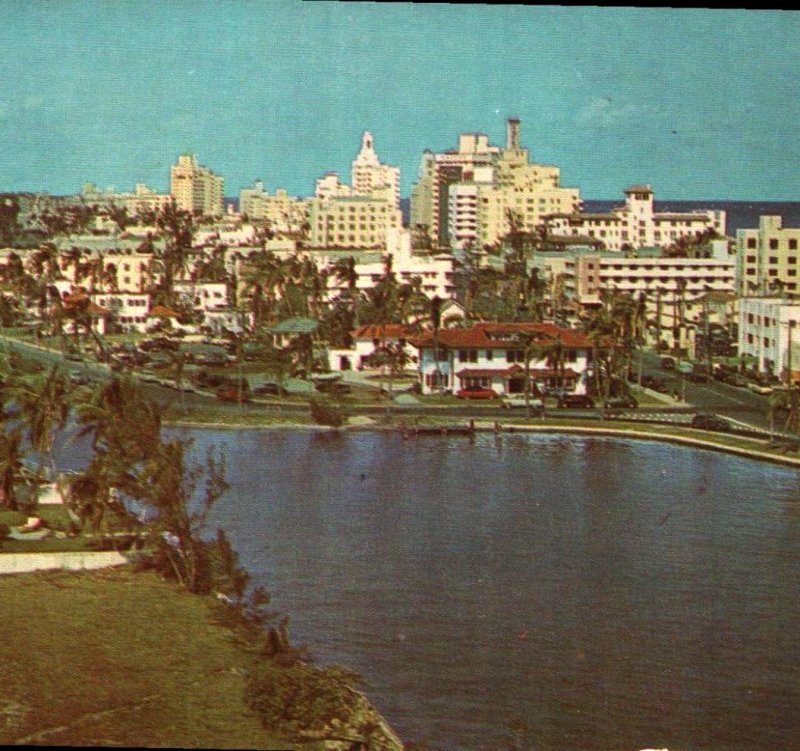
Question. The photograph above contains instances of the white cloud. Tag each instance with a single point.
(605, 111)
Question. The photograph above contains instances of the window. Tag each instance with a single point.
(792, 243)
(515, 355)
(489, 355)
(773, 259)
(751, 259)
(468, 355)
(773, 243)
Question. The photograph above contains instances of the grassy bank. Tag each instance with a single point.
(117, 658)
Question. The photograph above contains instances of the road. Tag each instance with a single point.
(737, 404)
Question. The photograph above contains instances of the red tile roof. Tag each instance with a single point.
(161, 311)
(75, 299)
(501, 336)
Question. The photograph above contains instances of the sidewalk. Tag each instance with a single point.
(20, 563)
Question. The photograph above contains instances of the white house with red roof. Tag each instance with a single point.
(492, 355)
(367, 340)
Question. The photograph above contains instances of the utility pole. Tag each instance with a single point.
(707, 338)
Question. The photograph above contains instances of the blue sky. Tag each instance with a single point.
(702, 104)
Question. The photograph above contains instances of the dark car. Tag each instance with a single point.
(656, 384)
(477, 392)
(576, 401)
(333, 387)
(270, 389)
(710, 422)
(667, 363)
(621, 402)
(232, 394)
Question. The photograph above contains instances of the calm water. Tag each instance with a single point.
(609, 594)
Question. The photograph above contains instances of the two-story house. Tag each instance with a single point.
(493, 355)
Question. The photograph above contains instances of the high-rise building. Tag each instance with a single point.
(368, 174)
(464, 195)
(357, 216)
(283, 213)
(767, 259)
(195, 187)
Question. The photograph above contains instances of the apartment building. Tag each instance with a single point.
(195, 187)
(636, 224)
(283, 213)
(436, 273)
(672, 289)
(142, 198)
(464, 196)
(354, 221)
(769, 331)
(128, 310)
(767, 259)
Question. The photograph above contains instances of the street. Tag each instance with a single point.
(735, 403)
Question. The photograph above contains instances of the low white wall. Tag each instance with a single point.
(19, 563)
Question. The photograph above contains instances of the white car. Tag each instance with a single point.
(757, 388)
(512, 402)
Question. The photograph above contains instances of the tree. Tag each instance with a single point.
(327, 412)
(43, 407)
(177, 228)
(9, 220)
(168, 485)
(11, 454)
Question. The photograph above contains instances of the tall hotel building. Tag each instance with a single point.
(360, 215)
(195, 188)
(767, 259)
(464, 195)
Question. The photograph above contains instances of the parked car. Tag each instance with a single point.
(758, 388)
(477, 392)
(667, 363)
(232, 394)
(517, 401)
(735, 379)
(333, 387)
(576, 401)
(270, 389)
(621, 402)
(710, 422)
(656, 384)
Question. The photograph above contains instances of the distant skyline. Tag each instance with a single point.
(701, 104)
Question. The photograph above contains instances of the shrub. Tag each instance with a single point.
(4, 530)
(300, 701)
(327, 412)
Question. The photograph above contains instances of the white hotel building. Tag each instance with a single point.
(636, 224)
(765, 327)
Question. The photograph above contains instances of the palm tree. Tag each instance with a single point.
(43, 406)
(177, 228)
(11, 454)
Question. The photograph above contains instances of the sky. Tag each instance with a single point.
(701, 104)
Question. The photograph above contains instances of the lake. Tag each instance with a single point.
(592, 593)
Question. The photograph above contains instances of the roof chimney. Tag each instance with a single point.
(512, 134)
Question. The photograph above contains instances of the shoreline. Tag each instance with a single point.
(483, 427)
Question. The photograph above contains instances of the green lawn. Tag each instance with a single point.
(117, 658)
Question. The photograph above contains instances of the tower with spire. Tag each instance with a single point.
(369, 175)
